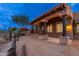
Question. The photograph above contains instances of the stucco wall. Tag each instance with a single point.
(54, 34)
(76, 36)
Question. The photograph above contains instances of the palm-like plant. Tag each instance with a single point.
(21, 20)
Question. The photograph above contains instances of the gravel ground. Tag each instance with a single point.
(43, 48)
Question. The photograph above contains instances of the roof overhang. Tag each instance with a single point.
(53, 13)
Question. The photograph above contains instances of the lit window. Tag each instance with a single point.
(59, 27)
(50, 28)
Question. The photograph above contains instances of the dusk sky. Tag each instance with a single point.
(31, 10)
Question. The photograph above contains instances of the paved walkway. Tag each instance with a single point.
(75, 42)
(4, 48)
(43, 48)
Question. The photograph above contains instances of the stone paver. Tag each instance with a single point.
(43, 48)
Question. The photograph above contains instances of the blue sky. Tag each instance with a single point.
(33, 10)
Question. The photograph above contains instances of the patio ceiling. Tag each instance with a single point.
(58, 11)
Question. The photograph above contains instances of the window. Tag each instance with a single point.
(50, 28)
(77, 27)
(59, 27)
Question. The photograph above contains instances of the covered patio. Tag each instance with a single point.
(56, 22)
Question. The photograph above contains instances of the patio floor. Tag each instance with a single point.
(36, 47)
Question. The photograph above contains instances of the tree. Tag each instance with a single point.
(21, 20)
(14, 30)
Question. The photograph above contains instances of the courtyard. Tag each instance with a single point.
(44, 33)
(34, 47)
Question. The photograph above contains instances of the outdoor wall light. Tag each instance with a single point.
(69, 28)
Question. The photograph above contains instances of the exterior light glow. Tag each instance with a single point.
(69, 28)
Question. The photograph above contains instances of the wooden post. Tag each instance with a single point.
(64, 25)
(74, 27)
(36, 29)
(32, 29)
(40, 29)
(45, 24)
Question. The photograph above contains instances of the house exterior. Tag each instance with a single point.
(59, 21)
